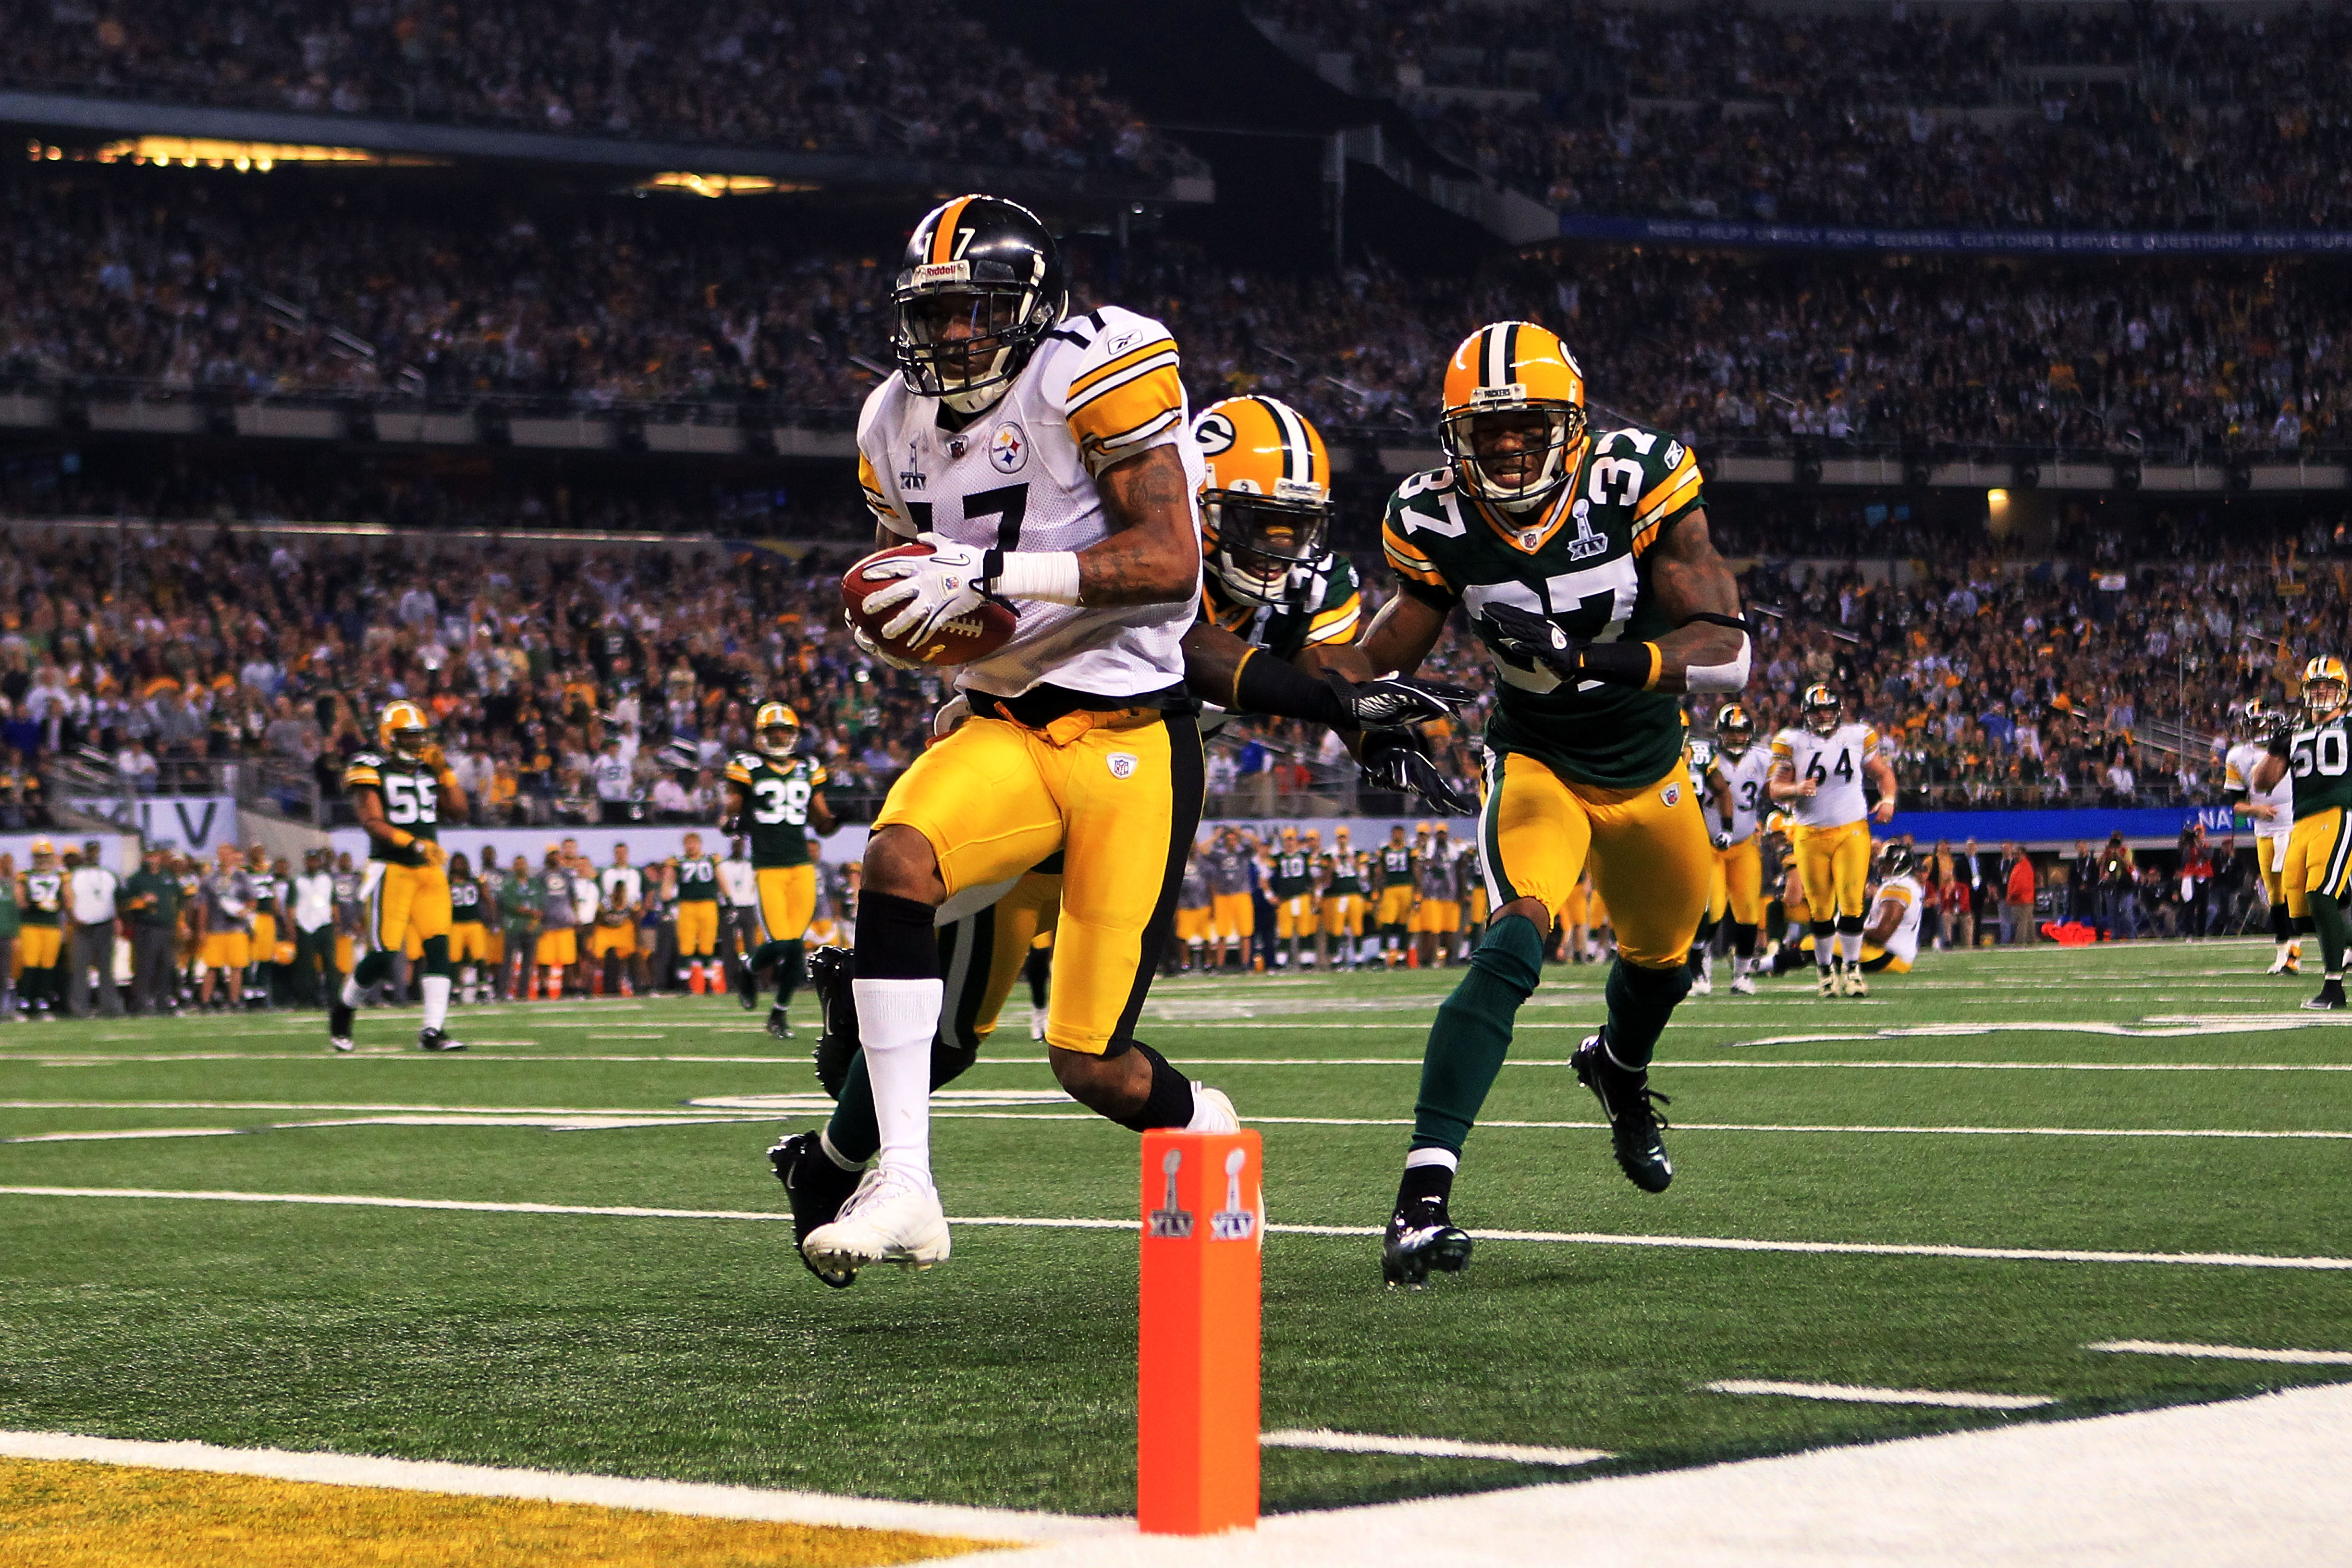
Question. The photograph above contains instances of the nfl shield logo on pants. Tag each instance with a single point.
(1122, 764)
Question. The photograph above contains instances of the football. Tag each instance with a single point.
(969, 637)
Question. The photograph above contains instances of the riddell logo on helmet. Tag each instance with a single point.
(943, 272)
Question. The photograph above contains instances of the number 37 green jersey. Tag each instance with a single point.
(777, 812)
(1578, 561)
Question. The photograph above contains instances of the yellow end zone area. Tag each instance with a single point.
(67, 1514)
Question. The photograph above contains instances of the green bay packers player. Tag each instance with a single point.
(774, 795)
(2272, 813)
(695, 886)
(1400, 893)
(1818, 768)
(1584, 564)
(469, 933)
(400, 794)
(1290, 881)
(1741, 772)
(1277, 610)
(2316, 754)
(40, 936)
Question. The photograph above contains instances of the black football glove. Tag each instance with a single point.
(1395, 761)
(1396, 702)
(1530, 640)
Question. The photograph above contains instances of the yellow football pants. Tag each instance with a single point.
(1294, 917)
(2318, 859)
(2270, 859)
(697, 928)
(1118, 792)
(620, 939)
(1343, 914)
(1021, 919)
(787, 901)
(38, 947)
(405, 901)
(557, 949)
(1650, 859)
(1718, 889)
(1195, 925)
(1743, 880)
(1396, 906)
(1834, 863)
(1234, 914)
(469, 943)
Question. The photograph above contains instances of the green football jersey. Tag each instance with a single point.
(1578, 562)
(698, 879)
(777, 816)
(1344, 878)
(2319, 759)
(465, 900)
(1330, 610)
(412, 801)
(1294, 873)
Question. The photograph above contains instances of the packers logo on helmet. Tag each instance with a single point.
(1735, 731)
(1265, 499)
(1513, 418)
(403, 729)
(1823, 708)
(2324, 685)
(776, 729)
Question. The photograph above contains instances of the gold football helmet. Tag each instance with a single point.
(403, 730)
(2324, 686)
(1265, 498)
(1501, 382)
(776, 729)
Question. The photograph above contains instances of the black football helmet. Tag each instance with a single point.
(979, 287)
(1735, 731)
(1824, 710)
(1896, 861)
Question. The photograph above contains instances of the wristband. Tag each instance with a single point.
(402, 838)
(1634, 664)
(1047, 576)
(1280, 689)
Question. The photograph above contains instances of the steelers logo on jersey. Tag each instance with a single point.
(1008, 449)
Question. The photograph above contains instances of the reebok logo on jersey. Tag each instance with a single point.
(1122, 764)
(1008, 449)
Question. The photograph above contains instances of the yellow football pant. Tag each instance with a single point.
(221, 950)
(1022, 919)
(1834, 863)
(558, 949)
(1743, 880)
(1118, 792)
(1438, 916)
(469, 943)
(38, 947)
(697, 928)
(1396, 906)
(1651, 858)
(787, 900)
(1294, 917)
(2270, 859)
(1234, 914)
(605, 938)
(1343, 914)
(2318, 859)
(1718, 889)
(405, 901)
(1195, 924)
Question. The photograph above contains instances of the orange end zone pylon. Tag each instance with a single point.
(1197, 1384)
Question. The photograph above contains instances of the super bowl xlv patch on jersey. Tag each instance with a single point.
(1578, 562)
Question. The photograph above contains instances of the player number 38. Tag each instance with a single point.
(782, 800)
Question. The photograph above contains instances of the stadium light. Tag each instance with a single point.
(717, 186)
(210, 153)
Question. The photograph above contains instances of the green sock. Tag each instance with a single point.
(1472, 1033)
(370, 969)
(2334, 933)
(855, 1132)
(1639, 1001)
(791, 967)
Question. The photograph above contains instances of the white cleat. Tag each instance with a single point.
(1212, 1111)
(890, 1218)
(1702, 987)
(1828, 986)
(1743, 985)
(2283, 964)
(1854, 983)
(1036, 1023)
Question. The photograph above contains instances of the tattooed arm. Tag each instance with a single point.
(1153, 555)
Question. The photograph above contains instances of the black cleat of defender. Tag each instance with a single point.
(1634, 1126)
(437, 1040)
(339, 1026)
(816, 1188)
(830, 970)
(747, 985)
(779, 1026)
(1422, 1236)
(2330, 999)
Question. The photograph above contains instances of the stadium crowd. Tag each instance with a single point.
(2155, 117)
(182, 284)
(912, 79)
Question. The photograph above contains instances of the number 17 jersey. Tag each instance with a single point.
(1101, 388)
(1834, 762)
(776, 815)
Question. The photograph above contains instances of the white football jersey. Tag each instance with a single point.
(1021, 476)
(1747, 772)
(2238, 773)
(1833, 762)
(1903, 942)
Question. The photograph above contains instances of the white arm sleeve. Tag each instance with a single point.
(1730, 676)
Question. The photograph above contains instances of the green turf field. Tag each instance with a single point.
(697, 1348)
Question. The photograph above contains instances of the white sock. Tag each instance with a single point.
(437, 1000)
(1445, 1157)
(353, 995)
(895, 1022)
(1850, 945)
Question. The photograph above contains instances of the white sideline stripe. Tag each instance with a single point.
(2224, 1352)
(1578, 1238)
(1839, 1391)
(696, 1498)
(126, 1132)
(1426, 1447)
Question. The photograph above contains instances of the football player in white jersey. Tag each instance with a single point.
(2272, 811)
(1735, 800)
(1891, 943)
(1818, 768)
(1699, 752)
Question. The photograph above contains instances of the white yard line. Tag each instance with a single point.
(2224, 1352)
(1427, 1447)
(126, 1132)
(1849, 1393)
(697, 1500)
(1575, 1238)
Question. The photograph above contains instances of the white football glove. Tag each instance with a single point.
(876, 651)
(935, 588)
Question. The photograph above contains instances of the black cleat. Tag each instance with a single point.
(1422, 1236)
(437, 1040)
(2329, 1000)
(747, 986)
(339, 1026)
(1634, 1126)
(779, 1026)
(830, 970)
(816, 1188)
